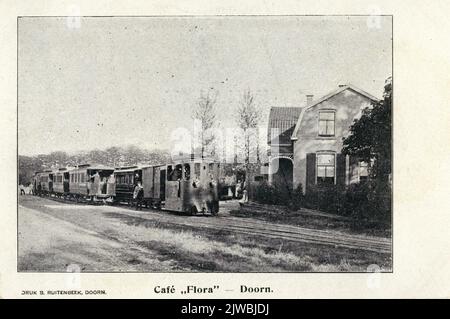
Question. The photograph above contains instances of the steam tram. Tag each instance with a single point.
(185, 186)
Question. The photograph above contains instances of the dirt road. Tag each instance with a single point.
(105, 238)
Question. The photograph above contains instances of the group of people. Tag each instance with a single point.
(26, 190)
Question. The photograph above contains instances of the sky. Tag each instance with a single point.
(114, 81)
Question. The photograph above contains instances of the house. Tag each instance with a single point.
(306, 142)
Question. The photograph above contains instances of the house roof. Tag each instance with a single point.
(326, 97)
(285, 119)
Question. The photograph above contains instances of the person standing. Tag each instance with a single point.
(22, 189)
(138, 195)
(245, 192)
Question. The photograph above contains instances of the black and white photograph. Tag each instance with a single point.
(205, 144)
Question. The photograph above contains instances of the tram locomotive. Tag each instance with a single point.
(186, 186)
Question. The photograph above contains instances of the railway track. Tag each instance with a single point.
(304, 235)
(262, 229)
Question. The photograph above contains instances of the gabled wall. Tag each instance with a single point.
(347, 105)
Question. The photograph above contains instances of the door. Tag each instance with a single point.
(147, 182)
(66, 177)
(162, 184)
(50, 182)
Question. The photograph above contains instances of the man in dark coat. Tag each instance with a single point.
(138, 195)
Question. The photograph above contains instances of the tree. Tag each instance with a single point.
(248, 118)
(370, 137)
(205, 113)
(370, 140)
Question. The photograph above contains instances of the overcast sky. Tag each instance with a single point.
(104, 82)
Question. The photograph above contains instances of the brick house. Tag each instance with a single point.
(306, 142)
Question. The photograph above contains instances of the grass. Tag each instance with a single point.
(213, 250)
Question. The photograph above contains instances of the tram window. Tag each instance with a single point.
(127, 179)
(169, 173)
(178, 172)
(187, 171)
(211, 168)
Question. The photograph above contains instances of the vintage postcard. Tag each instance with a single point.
(207, 155)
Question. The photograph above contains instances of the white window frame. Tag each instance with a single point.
(334, 123)
(359, 170)
(317, 163)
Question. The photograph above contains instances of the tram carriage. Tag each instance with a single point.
(153, 182)
(126, 180)
(91, 182)
(46, 182)
(192, 187)
(188, 187)
(61, 181)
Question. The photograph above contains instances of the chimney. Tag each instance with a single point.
(309, 99)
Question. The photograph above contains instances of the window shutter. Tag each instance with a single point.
(310, 170)
(340, 169)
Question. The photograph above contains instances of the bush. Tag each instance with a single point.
(368, 201)
(276, 195)
(297, 199)
(327, 198)
(269, 194)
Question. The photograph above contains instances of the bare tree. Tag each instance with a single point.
(205, 113)
(248, 120)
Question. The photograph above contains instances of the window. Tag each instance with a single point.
(187, 171)
(363, 171)
(325, 169)
(169, 172)
(326, 123)
(259, 178)
(177, 173)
